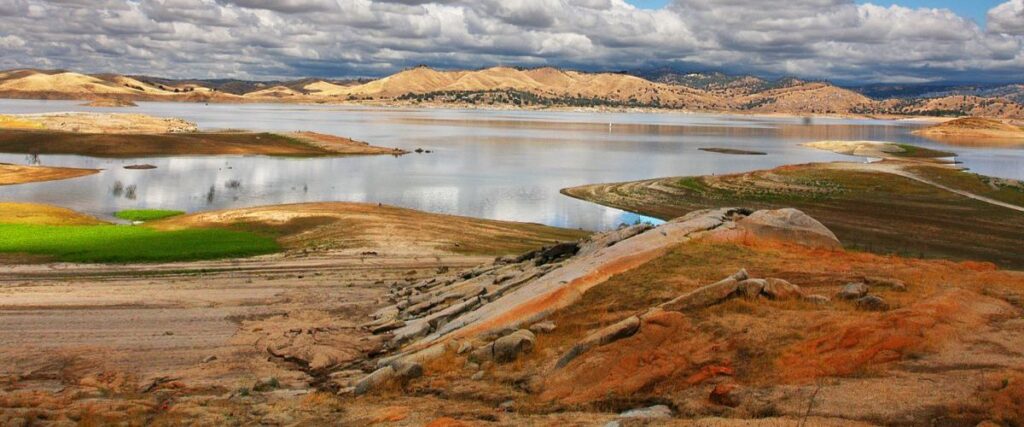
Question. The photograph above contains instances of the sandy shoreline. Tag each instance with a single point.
(19, 174)
(453, 106)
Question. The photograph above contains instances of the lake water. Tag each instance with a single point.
(507, 165)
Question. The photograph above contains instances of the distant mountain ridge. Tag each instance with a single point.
(539, 88)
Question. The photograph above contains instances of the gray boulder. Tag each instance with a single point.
(656, 412)
(790, 225)
(619, 330)
(707, 296)
(779, 289)
(506, 348)
(374, 380)
(872, 303)
(543, 327)
(887, 283)
(853, 291)
(751, 288)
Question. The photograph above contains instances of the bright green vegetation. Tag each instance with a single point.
(121, 244)
(921, 152)
(146, 214)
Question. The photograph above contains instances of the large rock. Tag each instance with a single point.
(872, 303)
(779, 289)
(509, 347)
(546, 326)
(789, 225)
(656, 412)
(853, 291)
(886, 282)
(604, 240)
(751, 288)
(506, 348)
(708, 295)
(619, 330)
(374, 380)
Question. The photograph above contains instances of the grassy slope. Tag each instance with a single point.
(870, 211)
(112, 243)
(913, 151)
(62, 234)
(147, 214)
(65, 235)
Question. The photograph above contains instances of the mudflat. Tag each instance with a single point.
(20, 174)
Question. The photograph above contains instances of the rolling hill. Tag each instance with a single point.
(531, 88)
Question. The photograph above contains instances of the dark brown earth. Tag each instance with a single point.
(193, 143)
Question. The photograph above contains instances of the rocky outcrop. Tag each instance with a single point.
(789, 225)
(708, 295)
(621, 329)
(506, 348)
(500, 299)
(737, 285)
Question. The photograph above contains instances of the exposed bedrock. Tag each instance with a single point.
(491, 306)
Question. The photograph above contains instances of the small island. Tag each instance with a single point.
(974, 130)
(110, 103)
(733, 151)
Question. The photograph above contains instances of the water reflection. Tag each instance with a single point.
(488, 164)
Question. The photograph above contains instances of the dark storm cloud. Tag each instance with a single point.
(836, 39)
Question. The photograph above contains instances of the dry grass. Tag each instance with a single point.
(38, 214)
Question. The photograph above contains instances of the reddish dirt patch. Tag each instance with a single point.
(668, 352)
(391, 414)
(849, 346)
(447, 422)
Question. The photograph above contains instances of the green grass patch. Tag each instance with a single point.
(123, 244)
(147, 214)
(692, 183)
(921, 152)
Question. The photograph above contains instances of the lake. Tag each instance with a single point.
(507, 165)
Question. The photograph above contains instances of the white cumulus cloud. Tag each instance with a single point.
(837, 39)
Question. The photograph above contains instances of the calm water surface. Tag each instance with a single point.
(507, 165)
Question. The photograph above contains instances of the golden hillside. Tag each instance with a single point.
(546, 82)
(275, 92)
(36, 84)
(517, 87)
(806, 98)
(67, 82)
(960, 105)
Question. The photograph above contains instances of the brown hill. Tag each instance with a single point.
(534, 87)
(42, 84)
(544, 82)
(806, 98)
(960, 105)
(61, 82)
(274, 92)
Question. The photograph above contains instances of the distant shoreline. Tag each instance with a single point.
(567, 109)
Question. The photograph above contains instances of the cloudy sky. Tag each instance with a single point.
(842, 40)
